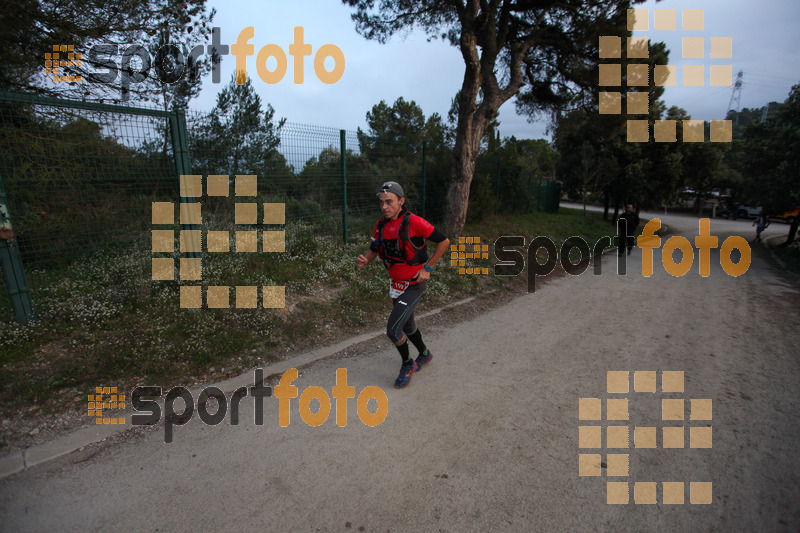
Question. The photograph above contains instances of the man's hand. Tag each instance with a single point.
(364, 260)
(422, 275)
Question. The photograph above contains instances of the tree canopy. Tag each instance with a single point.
(772, 156)
(545, 48)
(239, 136)
(127, 28)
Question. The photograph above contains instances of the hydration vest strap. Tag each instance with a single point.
(403, 236)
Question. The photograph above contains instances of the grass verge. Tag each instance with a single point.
(790, 255)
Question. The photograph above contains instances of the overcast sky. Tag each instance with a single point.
(766, 46)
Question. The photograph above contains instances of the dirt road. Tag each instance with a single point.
(486, 437)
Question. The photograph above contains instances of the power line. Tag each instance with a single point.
(705, 95)
(772, 76)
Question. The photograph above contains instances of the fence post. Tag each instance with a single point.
(11, 264)
(343, 155)
(424, 177)
(530, 189)
(180, 142)
(556, 195)
(180, 152)
(539, 194)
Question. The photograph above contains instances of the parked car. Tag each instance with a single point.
(789, 215)
(748, 210)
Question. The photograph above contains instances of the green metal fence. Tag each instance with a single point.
(81, 177)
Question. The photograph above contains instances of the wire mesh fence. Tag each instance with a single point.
(81, 177)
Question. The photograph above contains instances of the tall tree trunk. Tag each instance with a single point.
(606, 202)
(462, 169)
(792, 232)
(457, 195)
(468, 127)
(473, 119)
(465, 153)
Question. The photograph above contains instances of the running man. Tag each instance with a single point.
(761, 223)
(399, 239)
(626, 229)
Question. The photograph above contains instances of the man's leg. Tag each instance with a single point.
(400, 339)
(415, 336)
(416, 339)
(401, 315)
(425, 354)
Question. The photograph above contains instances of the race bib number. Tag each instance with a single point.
(396, 288)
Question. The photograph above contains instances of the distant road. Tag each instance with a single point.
(742, 226)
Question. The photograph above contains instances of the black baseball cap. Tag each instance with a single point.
(393, 187)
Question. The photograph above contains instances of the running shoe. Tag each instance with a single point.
(423, 358)
(406, 371)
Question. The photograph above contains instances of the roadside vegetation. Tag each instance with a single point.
(790, 254)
